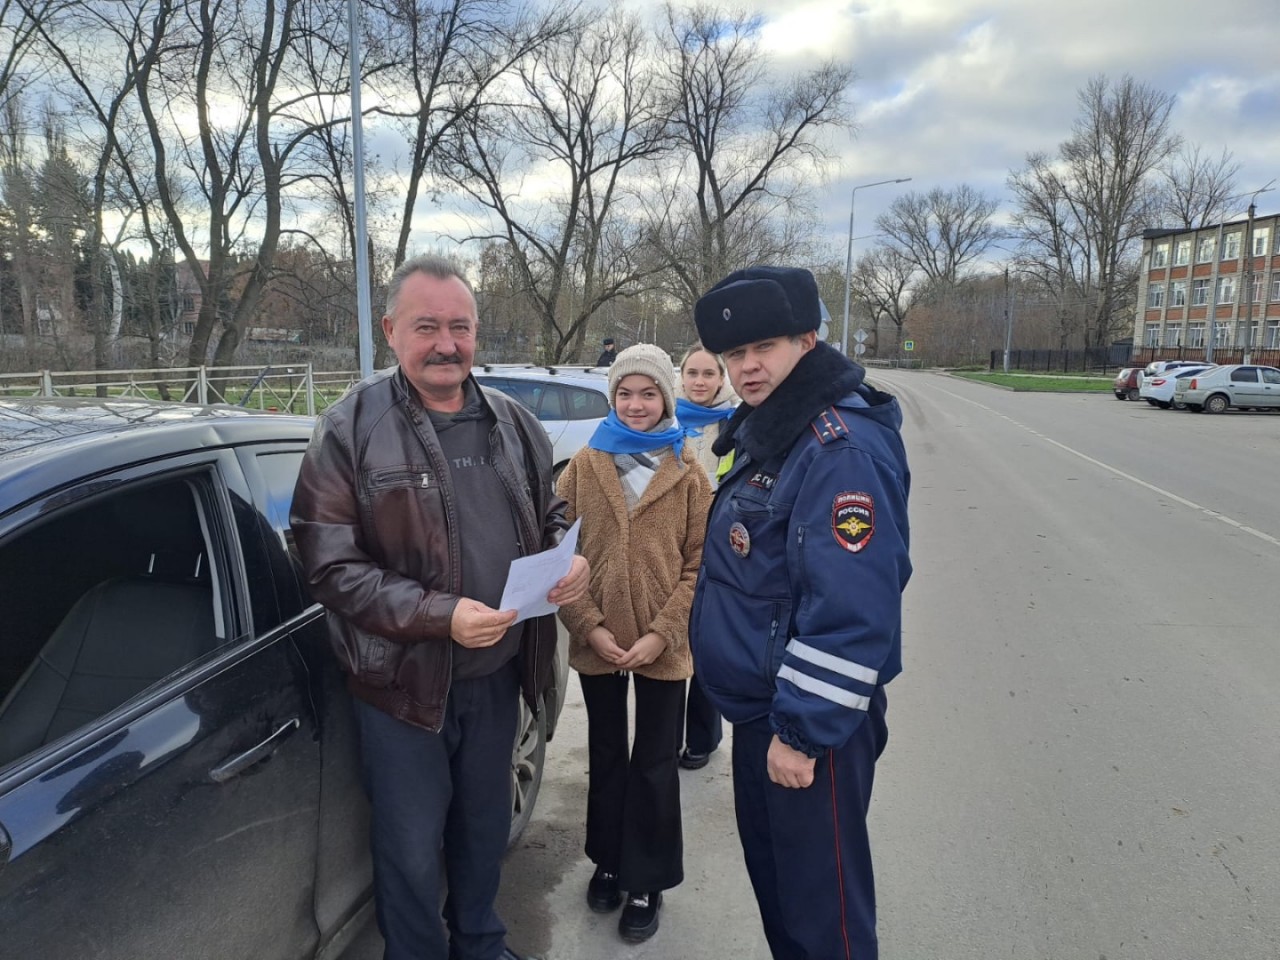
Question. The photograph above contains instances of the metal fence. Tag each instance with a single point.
(1267, 356)
(294, 389)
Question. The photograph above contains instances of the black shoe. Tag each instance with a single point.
(694, 761)
(639, 920)
(603, 894)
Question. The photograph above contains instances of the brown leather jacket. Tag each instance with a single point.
(375, 524)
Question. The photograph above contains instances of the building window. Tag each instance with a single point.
(1231, 246)
(1241, 340)
(1178, 293)
(1256, 289)
(1195, 335)
(1275, 287)
(1151, 336)
(1204, 250)
(1221, 334)
(1261, 241)
(1173, 336)
(1200, 292)
(1226, 290)
(1155, 295)
(188, 303)
(1160, 255)
(1181, 253)
(1273, 335)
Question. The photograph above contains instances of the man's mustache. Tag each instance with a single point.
(435, 360)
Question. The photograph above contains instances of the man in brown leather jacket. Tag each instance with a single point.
(418, 489)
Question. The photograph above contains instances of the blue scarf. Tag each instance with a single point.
(614, 436)
(693, 415)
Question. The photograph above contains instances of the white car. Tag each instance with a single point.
(1157, 390)
(569, 402)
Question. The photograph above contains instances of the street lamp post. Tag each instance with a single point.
(848, 261)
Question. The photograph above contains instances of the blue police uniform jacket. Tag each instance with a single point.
(797, 614)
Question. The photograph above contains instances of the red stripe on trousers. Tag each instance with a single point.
(835, 817)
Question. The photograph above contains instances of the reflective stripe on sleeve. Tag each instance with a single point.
(846, 668)
(827, 691)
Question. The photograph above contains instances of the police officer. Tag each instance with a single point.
(608, 354)
(797, 617)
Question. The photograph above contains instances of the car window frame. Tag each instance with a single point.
(240, 638)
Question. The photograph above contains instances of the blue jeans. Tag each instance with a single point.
(441, 805)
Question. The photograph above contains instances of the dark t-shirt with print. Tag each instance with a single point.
(488, 531)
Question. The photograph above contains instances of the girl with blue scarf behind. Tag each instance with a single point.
(707, 403)
(643, 500)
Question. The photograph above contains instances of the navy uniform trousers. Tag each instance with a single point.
(441, 803)
(807, 851)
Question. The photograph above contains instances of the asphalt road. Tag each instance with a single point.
(1083, 753)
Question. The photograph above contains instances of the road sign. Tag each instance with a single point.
(859, 349)
(908, 345)
(860, 335)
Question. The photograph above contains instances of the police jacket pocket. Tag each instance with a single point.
(739, 646)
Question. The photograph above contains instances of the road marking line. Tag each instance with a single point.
(1229, 521)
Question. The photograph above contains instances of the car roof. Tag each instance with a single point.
(48, 442)
(596, 378)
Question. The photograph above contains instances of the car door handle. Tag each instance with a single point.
(236, 765)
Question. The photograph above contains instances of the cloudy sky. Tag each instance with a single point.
(958, 91)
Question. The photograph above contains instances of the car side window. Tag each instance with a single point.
(552, 405)
(279, 473)
(587, 404)
(101, 600)
(1271, 376)
(1244, 375)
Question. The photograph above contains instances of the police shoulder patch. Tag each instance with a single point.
(853, 520)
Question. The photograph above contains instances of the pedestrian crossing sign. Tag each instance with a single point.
(908, 345)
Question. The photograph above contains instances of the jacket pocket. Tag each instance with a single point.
(371, 659)
(739, 643)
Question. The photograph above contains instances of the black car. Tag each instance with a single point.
(178, 769)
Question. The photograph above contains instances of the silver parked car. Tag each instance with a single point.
(1233, 385)
(569, 402)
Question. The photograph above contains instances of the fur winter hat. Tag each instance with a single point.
(756, 304)
(654, 363)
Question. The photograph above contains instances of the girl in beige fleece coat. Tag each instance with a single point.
(643, 501)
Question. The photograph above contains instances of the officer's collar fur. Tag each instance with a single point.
(822, 377)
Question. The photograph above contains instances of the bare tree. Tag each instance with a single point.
(19, 24)
(737, 192)
(941, 231)
(223, 181)
(1198, 187)
(17, 211)
(549, 170)
(1099, 196)
(1056, 252)
(882, 280)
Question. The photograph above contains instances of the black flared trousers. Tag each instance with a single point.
(633, 795)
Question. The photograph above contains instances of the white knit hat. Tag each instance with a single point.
(651, 361)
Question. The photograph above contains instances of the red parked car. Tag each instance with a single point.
(1126, 384)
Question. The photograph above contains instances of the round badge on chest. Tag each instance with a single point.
(739, 540)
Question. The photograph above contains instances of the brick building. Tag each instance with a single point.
(1191, 292)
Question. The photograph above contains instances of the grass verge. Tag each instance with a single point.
(1029, 383)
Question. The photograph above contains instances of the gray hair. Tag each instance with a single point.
(433, 265)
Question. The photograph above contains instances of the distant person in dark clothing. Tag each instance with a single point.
(608, 354)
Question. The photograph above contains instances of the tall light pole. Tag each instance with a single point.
(848, 260)
(1246, 293)
(364, 309)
